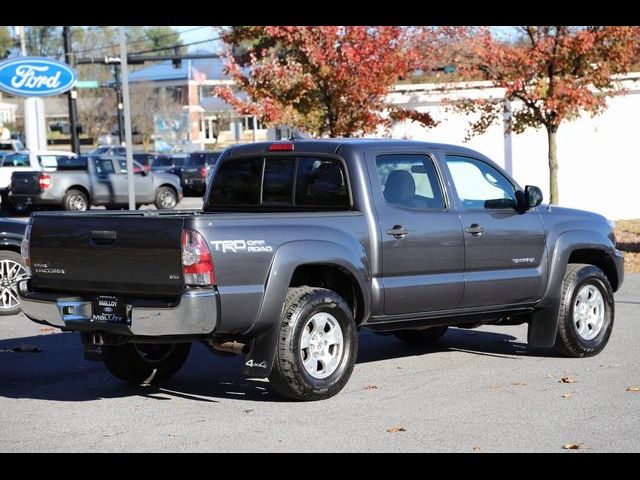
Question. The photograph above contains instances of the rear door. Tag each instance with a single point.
(422, 244)
(505, 252)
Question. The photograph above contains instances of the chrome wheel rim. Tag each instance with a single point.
(321, 345)
(167, 199)
(77, 202)
(10, 274)
(588, 312)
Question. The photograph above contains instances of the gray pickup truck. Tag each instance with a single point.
(78, 183)
(300, 244)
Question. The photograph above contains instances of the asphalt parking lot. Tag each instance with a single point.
(478, 391)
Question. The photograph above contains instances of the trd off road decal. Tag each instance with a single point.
(238, 246)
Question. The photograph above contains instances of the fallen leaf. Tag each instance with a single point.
(568, 380)
(495, 386)
(523, 384)
(396, 429)
(26, 348)
(370, 387)
(173, 434)
(476, 448)
(247, 411)
(47, 329)
(633, 389)
(572, 446)
(567, 395)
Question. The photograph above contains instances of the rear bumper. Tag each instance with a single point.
(43, 198)
(195, 314)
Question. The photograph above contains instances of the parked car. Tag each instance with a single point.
(195, 172)
(11, 146)
(300, 244)
(168, 163)
(80, 183)
(44, 160)
(11, 264)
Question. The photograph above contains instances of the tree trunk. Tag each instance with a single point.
(552, 132)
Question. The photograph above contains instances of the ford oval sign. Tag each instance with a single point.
(35, 76)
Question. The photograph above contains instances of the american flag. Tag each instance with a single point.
(197, 75)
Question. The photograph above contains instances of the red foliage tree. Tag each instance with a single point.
(554, 73)
(327, 80)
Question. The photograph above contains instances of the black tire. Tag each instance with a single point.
(145, 363)
(75, 201)
(289, 376)
(568, 341)
(164, 195)
(421, 337)
(9, 304)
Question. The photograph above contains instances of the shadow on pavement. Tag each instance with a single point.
(60, 373)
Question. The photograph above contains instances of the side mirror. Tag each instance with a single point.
(533, 196)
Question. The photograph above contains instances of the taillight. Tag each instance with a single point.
(281, 147)
(203, 172)
(25, 250)
(44, 181)
(197, 264)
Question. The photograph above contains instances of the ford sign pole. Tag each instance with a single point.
(127, 118)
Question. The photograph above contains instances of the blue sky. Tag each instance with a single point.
(194, 33)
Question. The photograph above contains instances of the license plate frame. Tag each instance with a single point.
(109, 309)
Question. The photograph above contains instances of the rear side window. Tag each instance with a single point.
(293, 182)
(410, 181)
(16, 160)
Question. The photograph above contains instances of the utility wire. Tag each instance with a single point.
(134, 42)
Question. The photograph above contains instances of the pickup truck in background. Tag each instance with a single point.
(301, 244)
(24, 161)
(79, 183)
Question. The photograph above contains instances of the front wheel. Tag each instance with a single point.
(166, 198)
(586, 311)
(317, 345)
(145, 362)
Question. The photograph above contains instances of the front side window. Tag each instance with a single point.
(410, 181)
(103, 166)
(479, 185)
(305, 182)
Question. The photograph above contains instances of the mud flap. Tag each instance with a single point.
(543, 327)
(259, 361)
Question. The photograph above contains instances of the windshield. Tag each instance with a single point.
(195, 160)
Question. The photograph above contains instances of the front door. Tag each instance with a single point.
(422, 244)
(505, 255)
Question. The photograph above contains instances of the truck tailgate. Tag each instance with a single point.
(27, 182)
(107, 254)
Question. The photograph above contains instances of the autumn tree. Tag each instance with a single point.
(552, 73)
(326, 80)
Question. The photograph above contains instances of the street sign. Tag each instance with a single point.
(35, 76)
(87, 84)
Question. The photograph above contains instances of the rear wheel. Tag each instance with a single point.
(145, 362)
(11, 272)
(166, 198)
(317, 345)
(421, 337)
(75, 200)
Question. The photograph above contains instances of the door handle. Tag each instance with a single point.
(475, 229)
(398, 231)
(102, 238)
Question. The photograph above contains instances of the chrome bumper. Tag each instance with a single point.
(195, 314)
